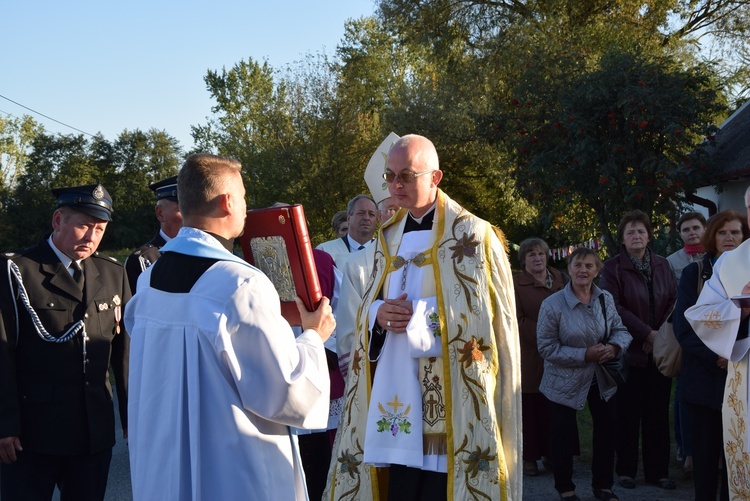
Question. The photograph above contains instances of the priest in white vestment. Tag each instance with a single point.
(443, 409)
(216, 374)
(723, 326)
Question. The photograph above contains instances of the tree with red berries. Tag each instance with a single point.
(629, 134)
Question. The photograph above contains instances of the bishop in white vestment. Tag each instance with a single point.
(446, 396)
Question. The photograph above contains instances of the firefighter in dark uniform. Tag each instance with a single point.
(170, 220)
(61, 307)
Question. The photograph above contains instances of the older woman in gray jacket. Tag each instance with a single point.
(579, 330)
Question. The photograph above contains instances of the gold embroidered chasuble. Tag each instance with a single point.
(479, 372)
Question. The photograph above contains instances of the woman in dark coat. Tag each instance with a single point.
(534, 284)
(704, 373)
(644, 289)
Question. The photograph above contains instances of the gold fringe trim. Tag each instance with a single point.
(435, 443)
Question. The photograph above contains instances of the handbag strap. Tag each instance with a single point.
(606, 324)
(701, 278)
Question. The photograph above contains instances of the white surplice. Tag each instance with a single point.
(216, 379)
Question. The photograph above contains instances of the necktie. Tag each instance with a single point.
(360, 247)
(77, 274)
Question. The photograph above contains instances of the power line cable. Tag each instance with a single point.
(9, 114)
(45, 116)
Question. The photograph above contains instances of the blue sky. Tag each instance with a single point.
(106, 66)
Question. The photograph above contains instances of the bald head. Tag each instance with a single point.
(420, 151)
(414, 170)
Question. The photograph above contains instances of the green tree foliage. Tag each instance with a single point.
(519, 68)
(124, 167)
(629, 134)
(16, 135)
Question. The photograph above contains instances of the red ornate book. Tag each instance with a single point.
(277, 242)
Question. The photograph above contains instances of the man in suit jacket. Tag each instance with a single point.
(60, 329)
(170, 221)
(363, 217)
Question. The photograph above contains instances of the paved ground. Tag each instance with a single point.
(539, 488)
(542, 487)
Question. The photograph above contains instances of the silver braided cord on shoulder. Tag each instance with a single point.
(74, 329)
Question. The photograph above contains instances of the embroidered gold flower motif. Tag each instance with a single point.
(732, 447)
(466, 246)
(472, 351)
(479, 460)
(349, 464)
(356, 363)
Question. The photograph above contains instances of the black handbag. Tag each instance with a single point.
(617, 368)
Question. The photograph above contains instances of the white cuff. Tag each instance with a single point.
(374, 313)
(423, 330)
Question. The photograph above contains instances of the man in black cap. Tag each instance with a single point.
(170, 219)
(60, 329)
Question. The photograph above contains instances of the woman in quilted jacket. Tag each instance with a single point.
(578, 331)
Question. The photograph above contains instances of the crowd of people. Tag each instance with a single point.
(650, 296)
(428, 371)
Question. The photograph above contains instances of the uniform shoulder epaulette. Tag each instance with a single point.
(143, 248)
(18, 252)
(106, 258)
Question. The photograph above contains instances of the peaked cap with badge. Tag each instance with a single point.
(91, 199)
(165, 189)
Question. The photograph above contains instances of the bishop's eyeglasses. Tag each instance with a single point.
(404, 177)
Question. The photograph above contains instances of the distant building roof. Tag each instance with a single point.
(732, 149)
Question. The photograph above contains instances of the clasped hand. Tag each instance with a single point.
(394, 314)
(600, 353)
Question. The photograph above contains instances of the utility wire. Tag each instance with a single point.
(45, 116)
(9, 114)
